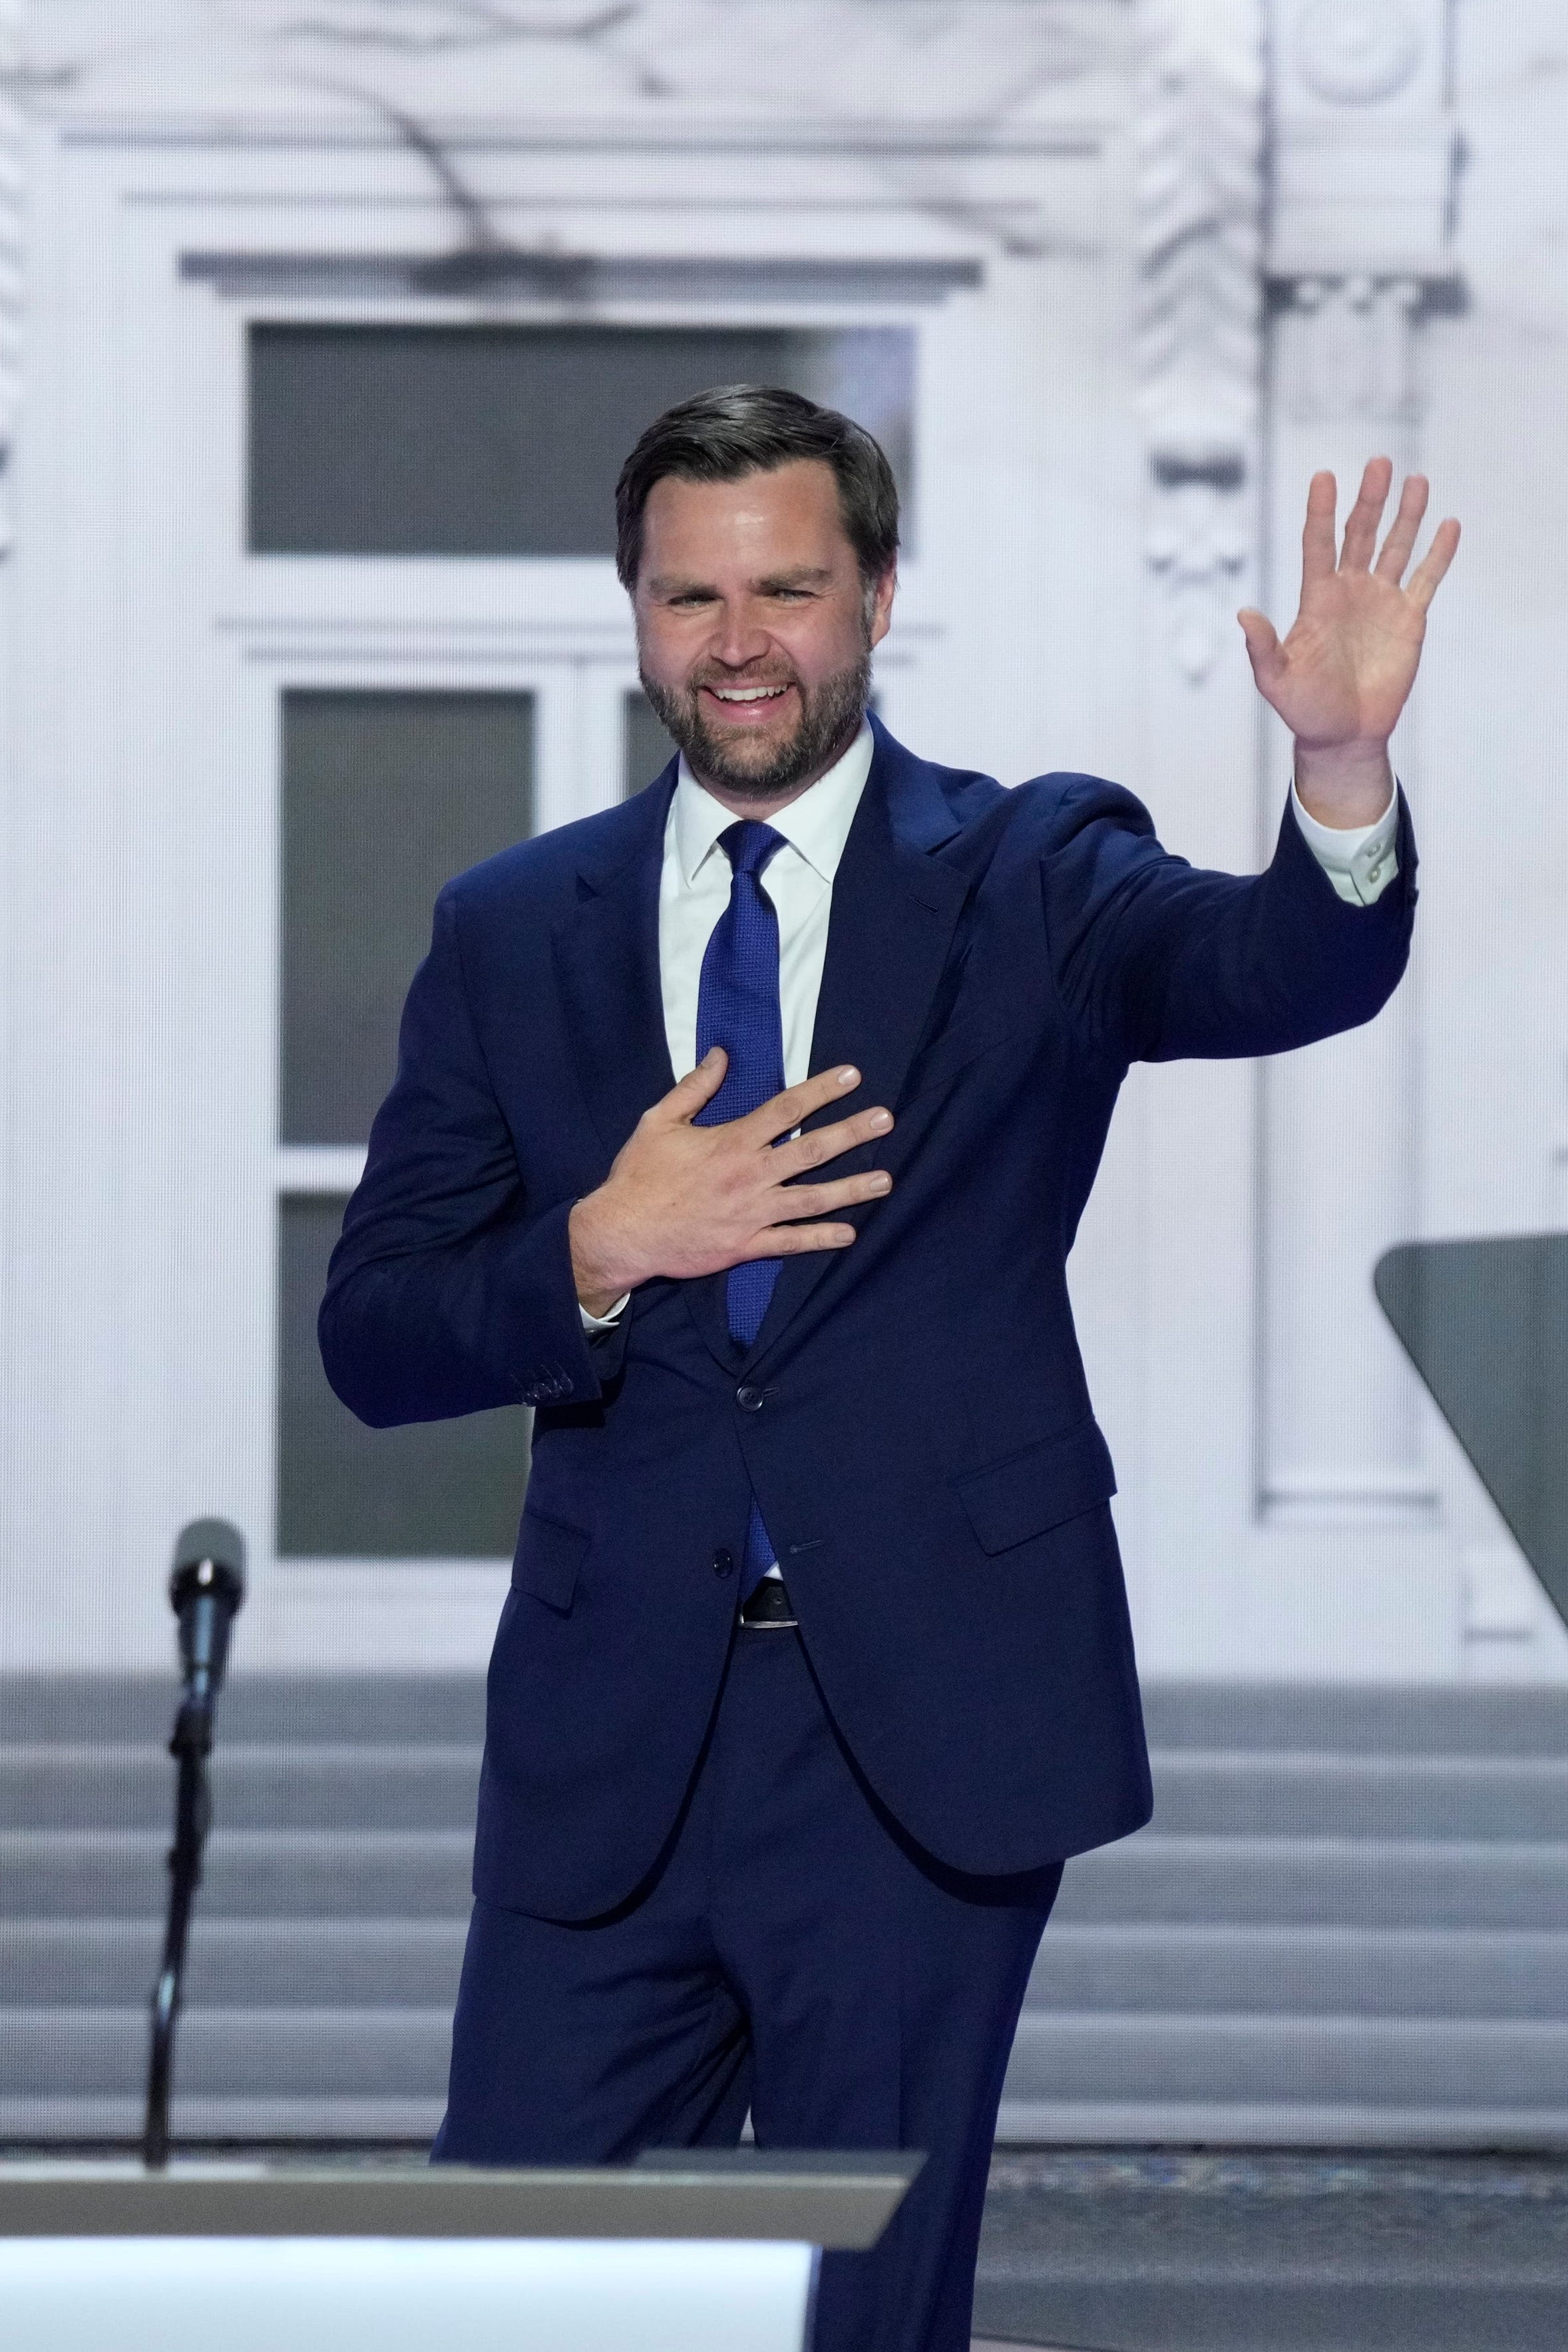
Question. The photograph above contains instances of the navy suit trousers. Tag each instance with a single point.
(794, 1953)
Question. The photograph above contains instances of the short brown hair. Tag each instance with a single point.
(748, 428)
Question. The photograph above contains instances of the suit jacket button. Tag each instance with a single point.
(723, 1563)
(749, 1400)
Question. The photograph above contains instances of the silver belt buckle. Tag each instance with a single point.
(767, 1624)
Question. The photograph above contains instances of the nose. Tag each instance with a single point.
(739, 637)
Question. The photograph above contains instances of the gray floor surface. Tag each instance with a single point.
(1165, 2251)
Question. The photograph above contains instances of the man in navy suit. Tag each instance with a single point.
(743, 1132)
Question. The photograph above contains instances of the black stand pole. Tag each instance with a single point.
(190, 1746)
(205, 1590)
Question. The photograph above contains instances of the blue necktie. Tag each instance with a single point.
(738, 1008)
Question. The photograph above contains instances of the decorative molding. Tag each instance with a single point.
(1199, 255)
(983, 65)
(1501, 1600)
(1356, 52)
(572, 280)
(302, 1168)
(942, 113)
(423, 29)
(1344, 1497)
(11, 191)
(1357, 355)
(1363, 202)
(1360, 250)
(1364, 150)
(981, 51)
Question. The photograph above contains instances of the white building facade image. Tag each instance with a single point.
(323, 326)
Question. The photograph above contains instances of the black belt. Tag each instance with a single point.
(769, 1609)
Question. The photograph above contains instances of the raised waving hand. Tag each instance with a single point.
(1342, 675)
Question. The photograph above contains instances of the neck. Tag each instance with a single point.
(762, 805)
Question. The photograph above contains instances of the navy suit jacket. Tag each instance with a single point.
(914, 1414)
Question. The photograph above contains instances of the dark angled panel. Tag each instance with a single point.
(1486, 1325)
(385, 797)
(436, 1489)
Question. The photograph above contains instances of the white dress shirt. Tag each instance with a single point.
(693, 891)
(694, 885)
(1359, 860)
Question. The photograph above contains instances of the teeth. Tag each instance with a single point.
(748, 693)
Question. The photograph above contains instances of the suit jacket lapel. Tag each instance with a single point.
(894, 909)
(607, 967)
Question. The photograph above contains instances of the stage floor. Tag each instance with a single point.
(1141, 2251)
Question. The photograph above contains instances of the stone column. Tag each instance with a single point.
(1183, 1244)
(1358, 263)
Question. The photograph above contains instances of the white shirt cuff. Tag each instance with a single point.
(604, 1322)
(1359, 860)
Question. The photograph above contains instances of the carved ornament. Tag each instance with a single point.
(1199, 255)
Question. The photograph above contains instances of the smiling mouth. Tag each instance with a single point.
(746, 697)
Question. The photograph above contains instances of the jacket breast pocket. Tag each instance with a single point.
(1037, 1488)
(547, 1558)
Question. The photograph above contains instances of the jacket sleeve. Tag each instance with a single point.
(1159, 961)
(446, 1293)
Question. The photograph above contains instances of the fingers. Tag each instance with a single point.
(823, 1199)
(1426, 578)
(1360, 545)
(1320, 557)
(688, 1094)
(1362, 523)
(827, 1144)
(796, 1241)
(796, 1104)
(1401, 539)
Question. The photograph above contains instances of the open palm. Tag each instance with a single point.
(1342, 674)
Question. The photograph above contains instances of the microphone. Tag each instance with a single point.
(207, 1589)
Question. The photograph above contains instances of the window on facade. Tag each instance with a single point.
(647, 747)
(434, 1490)
(385, 796)
(507, 441)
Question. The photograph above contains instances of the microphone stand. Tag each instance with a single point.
(205, 1590)
(190, 1746)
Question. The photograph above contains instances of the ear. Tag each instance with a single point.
(878, 606)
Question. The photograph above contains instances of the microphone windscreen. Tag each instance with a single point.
(214, 1539)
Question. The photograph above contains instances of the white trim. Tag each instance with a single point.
(319, 1167)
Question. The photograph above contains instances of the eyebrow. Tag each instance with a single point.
(805, 575)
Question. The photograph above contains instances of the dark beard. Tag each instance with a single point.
(831, 715)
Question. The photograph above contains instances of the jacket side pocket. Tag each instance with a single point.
(547, 1558)
(1037, 1489)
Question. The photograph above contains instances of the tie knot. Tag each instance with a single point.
(749, 845)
